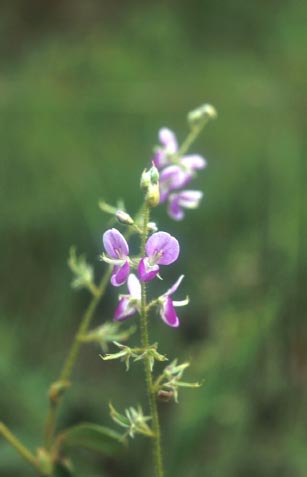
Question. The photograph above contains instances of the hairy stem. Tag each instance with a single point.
(20, 448)
(149, 382)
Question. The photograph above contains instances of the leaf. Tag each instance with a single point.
(91, 436)
(63, 468)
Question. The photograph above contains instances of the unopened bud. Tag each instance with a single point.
(150, 183)
(149, 177)
(124, 218)
(152, 227)
(153, 195)
(154, 175)
(145, 179)
(206, 111)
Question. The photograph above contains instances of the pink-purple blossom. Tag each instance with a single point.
(129, 304)
(161, 249)
(117, 250)
(193, 162)
(186, 199)
(175, 173)
(167, 305)
(171, 178)
(168, 148)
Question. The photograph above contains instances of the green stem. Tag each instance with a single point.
(195, 131)
(73, 355)
(20, 448)
(145, 344)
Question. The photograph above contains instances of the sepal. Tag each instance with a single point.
(107, 333)
(83, 272)
(169, 381)
(151, 354)
(133, 421)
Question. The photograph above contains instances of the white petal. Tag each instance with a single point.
(134, 287)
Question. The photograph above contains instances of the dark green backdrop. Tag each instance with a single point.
(84, 88)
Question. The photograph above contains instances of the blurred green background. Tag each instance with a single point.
(84, 88)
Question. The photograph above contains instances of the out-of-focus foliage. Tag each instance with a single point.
(84, 88)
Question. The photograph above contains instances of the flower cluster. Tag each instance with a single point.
(176, 172)
(161, 249)
(166, 181)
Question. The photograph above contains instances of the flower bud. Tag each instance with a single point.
(206, 111)
(150, 183)
(124, 218)
(145, 180)
(153, 195)
(154, 174)
(152, 227)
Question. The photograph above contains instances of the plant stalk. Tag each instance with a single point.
(191, 137)
(145, 344)
(20, 448)
(73, 355)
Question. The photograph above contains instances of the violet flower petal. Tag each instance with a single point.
(115, 244)
(174, 209)
(120, 274)
(146, 271)
(188, 199)
(164, 244)
(171, 178)
(159, 158)
(168, 313)
(124, 309)
(175, 286)
(193, 161)
(168, 140)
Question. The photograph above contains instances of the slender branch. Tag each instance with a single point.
(195, 131)
(145, 344)
(64, 377)
(20, 448)
(72, 356)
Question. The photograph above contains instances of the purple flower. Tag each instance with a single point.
(166, 305)
(161, 249)
(118, 255)
(171, 178)
(193, 162)
(169, 147)
(186, 199)
(129, 304)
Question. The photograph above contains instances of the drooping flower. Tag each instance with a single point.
(129, 304)
(193, 162)
(117, 254)
(186, 199)
(171, 178)
(169, 147)
(166, 305)
(178, 175)
(161, 249)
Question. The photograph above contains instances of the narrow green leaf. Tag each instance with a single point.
(91, 436)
